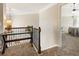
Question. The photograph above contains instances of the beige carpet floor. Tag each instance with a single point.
(20, 50)
(70, 48)
(27, 50)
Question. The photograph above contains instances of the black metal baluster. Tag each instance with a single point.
(4, 46)
(31, 34)
(9, 39)
(17, 36)
(39, 51)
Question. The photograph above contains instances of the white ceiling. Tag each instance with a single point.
(67, 9)
(24, 8)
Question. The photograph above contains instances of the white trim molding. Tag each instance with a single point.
(49, 6)
(25, 13)
(56, 45)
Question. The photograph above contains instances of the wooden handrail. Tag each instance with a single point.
(20, 27)
(15, 33)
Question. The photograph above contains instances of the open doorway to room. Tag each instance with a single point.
(70, 28)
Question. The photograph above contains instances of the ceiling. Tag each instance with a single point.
(24, 8)
(67, 9)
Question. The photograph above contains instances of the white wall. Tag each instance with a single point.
(66, 23)
(1, 17)
(49, 23)
(48, 20)
(1, 21)
(66, 17)
(78, 21)
(25, 20)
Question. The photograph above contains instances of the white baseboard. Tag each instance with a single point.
(35, 48)
(56, 45)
